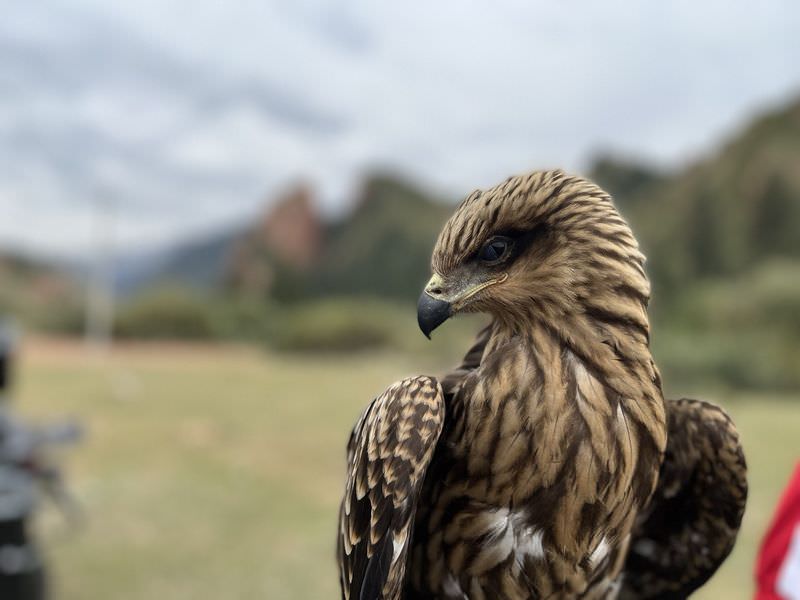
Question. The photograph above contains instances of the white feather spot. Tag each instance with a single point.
(498, 522)
(600, 552)
(528, 541)
(529, 544)
(398, 543)
(509, 532)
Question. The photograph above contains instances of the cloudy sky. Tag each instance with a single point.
(189, 115)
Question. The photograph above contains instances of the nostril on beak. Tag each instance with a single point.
(435, 287)
(434, 290)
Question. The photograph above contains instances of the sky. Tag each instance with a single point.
(184, 117)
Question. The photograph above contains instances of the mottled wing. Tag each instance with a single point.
(389, 451)
(694, 516)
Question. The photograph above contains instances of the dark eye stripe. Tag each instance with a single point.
(515, 243)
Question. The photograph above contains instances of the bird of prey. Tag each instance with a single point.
(548, 464)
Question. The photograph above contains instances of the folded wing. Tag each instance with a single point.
(389, 451)
(694, 516)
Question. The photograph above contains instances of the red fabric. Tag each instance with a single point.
(776, 541)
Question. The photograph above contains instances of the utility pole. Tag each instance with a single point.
(100, 292)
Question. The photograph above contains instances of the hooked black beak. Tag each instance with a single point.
(431, 313)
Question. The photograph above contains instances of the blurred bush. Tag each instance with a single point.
(336, 324)
(743, 331)
(343, 324)
(168, 312)
(326, 325)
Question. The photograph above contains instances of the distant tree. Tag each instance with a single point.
(704, 237)
(776, 226)
(623, 179)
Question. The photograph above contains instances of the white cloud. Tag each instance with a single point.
(199, 108)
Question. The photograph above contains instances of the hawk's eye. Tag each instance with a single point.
(495, 250)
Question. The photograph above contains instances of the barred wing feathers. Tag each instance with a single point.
(389, 451)
(695, 513)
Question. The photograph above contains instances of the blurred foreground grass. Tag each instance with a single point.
(215, 471)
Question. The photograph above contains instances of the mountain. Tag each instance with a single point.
(717, 218)
(722, 238)
(276, 251)
(725, 214)
(622, 178)
(383, 247)
(200, 264)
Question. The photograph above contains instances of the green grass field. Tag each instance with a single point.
(214, 472)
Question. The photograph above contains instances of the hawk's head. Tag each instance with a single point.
(546, 246)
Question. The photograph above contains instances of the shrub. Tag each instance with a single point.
(336, 325)
(167, 313)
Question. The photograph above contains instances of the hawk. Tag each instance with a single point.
(548, 464)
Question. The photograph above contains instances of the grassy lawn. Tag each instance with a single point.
(215, 472)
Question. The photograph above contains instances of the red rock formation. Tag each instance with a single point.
(292, 229)
(289, 234)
